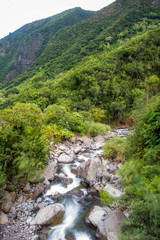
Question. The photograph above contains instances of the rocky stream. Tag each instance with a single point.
(65, 203)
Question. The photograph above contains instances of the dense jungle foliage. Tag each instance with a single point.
(103, 70)
(140, 173)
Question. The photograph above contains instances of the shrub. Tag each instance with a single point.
(93, 129)
(115, 148)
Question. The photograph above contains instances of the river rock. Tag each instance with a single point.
(113, 191)
(101, 231)
(13, 196)
(56, 196)
(64, 158)
(88, 170)
(112, 224)
(35, 237)
(95, 216)
(66, 180)
(77, 149)
(4, 195)
(52, 214)
(86, 141)
(106, 177)
(39, 189)
(3, 218)
(27, 188)
(77, 192)
(50, 171)
(74, 170)
(99, 138)
(6, 206)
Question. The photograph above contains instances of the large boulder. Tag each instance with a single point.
(95, 216)
(50, 171)
(64, 158)
(88, 170)
(110, 228)
(52, 214)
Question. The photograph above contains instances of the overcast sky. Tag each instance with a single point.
(16, 13)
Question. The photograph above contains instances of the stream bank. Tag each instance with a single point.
(75, 173)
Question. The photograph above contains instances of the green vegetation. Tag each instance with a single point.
(83, 75)
(26, 132)
(106, 198)
(20, 49)
(115, 148)
(141, 175)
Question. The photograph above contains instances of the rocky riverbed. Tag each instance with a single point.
(78, 170)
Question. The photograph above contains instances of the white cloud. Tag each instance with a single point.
(16, 13)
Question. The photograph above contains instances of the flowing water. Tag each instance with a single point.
(73, 226)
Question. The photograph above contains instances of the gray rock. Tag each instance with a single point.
(40, 205)
(3, 218)
(86, 141)
(56, 196)
(88, 170)
(29, 220)
(67, 181)
(99, 138)
(101, 231)
(6, 206)
(39, 189)
(112, 224)
(77, 192)
(35, 237)
(95, 215)
(113, 191)
(4, 195)
(39, 200)
(50, 171)
(111, 168)
(27, 188)
(77, 149)
(64, 158)
(52, 214)
(106, 178)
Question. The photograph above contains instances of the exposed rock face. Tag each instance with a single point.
(52, 214)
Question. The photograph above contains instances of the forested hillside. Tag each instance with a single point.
(20, 49)
(79, 77)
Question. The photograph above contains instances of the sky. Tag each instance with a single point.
(16, 13)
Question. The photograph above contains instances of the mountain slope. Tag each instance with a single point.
(19, 50)
(72, 44)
